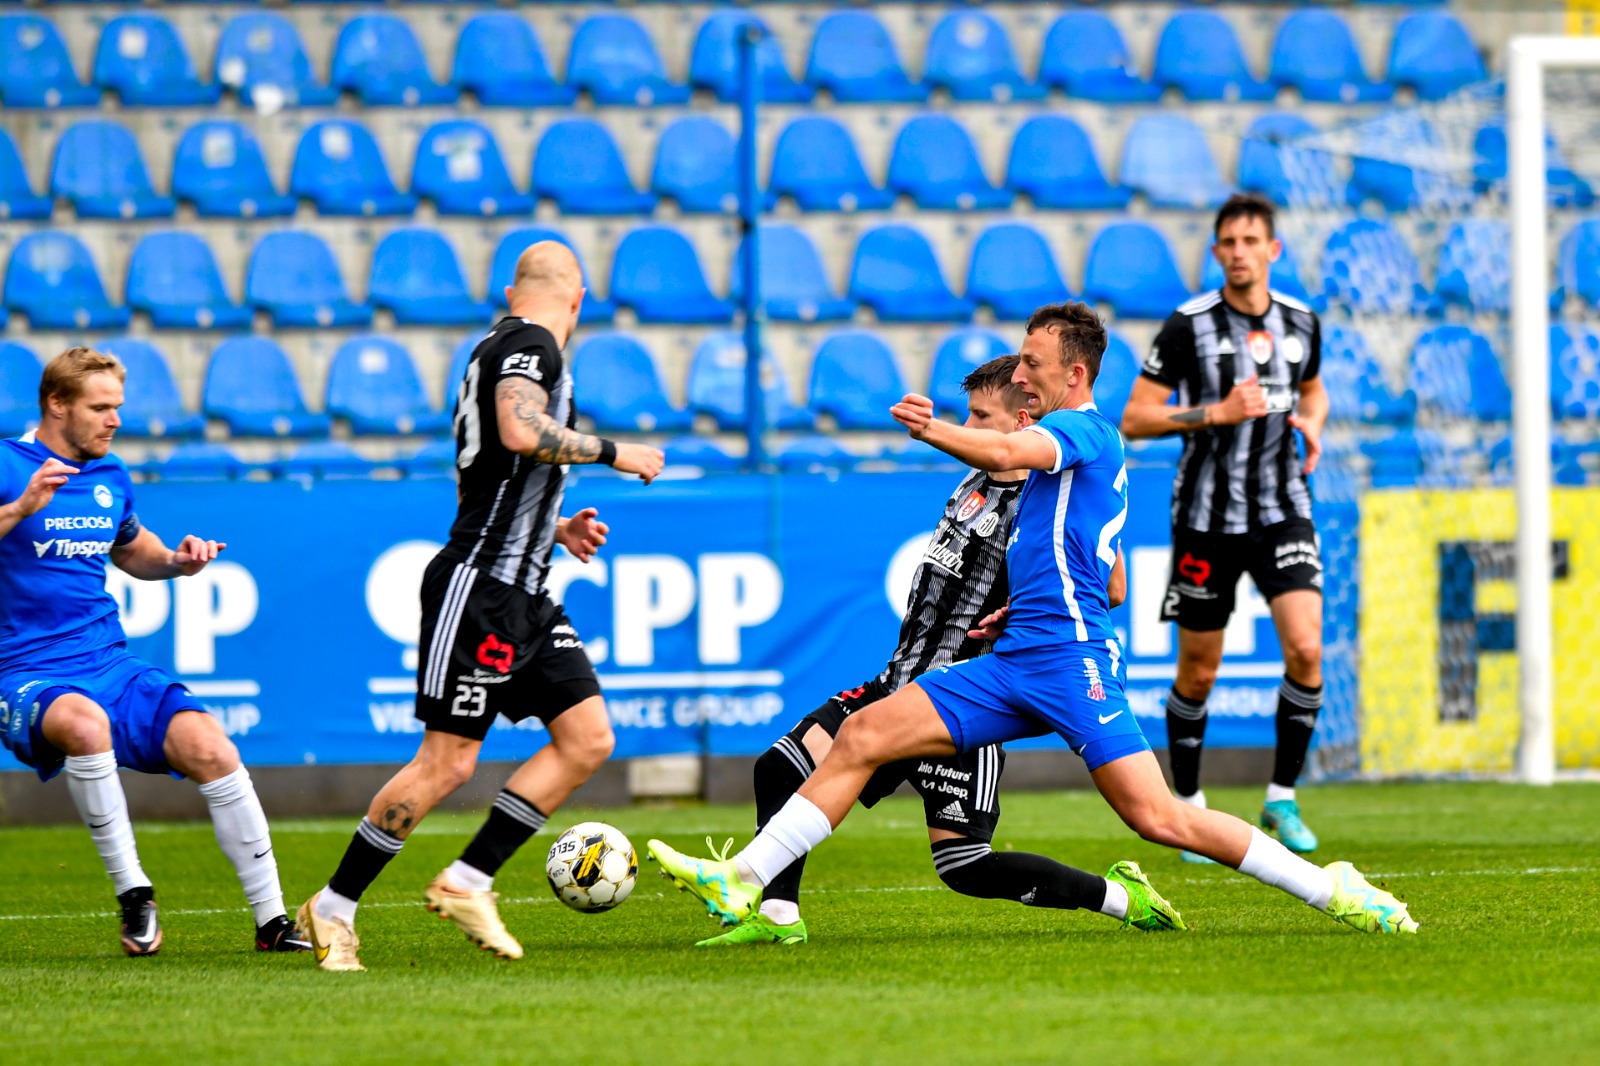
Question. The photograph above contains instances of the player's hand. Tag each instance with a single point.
(1313, 436)
(1246, 400)
(915, 413)
(42, 486)
(640, 459)
(583, 534)
(992, 625)
(192, 554)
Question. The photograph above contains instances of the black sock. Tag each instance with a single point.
(369, 852)
(1186, 734)
(1297, 720)
(972, 869)
(780, 771)
(512, 820)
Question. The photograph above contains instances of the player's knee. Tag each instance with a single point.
(77, 726)
(448, 769)
(859, 742)
(1159, 822)
(1302, 656)
(1196, 678)
(589, 748)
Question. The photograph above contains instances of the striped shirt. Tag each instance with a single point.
(1237, 479)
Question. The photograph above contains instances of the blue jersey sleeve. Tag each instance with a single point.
(1076, 435)
(128, 526)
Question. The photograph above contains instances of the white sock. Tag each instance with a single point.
(468, 877)
(333, 907)
(797, 828)
(1116, 903)
(97, 793)
(242, 833)
(780, 911)
(1273, 864)
(1196, 800)
(1278, 792)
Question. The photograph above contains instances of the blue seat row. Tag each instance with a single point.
(853, 57)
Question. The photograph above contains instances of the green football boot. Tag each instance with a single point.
(716, 882)
(758, 930)
(1147, 909)
(1283, 818)
(1364, 906)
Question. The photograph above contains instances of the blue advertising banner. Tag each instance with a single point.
(722, 610)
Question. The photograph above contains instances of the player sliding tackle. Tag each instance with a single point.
(1056, 664)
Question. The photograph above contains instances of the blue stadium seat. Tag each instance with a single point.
(656, 273)
(1433, 53)
(614, 59)
(20, 371)
(459, 168)
(855, 380)
(1315, 53)
(1574, 371)
(816, 162)
(1162, 453)
(1455, 373)
(435, 459)
(1131, 268)
(815, 453)
(695, 166)
(17, 198)
(373, 384)
(1200, 55)
(173, 278)
(959, 354)
(716, 385)
(895, 273)
(714, 64)
(935, 163)
(457, 372)
(1367, 267)
(794, 285)
(261, 58)
(1284, 278)
(1578, 266)
(503, 270)
(702, 452)
(328, 459)
(1565, 461)
(197, 461)
(1053, 164)
(339, 169)
(377, 57)
(1396, 460)
(854, 59)
(417, 278)
(1166, 158)
(252, 389)
(1013, 272)
(579, 166)
(1085, 56)
(970, 55)
(219, 167)
(52, 279)
(151, 404)
(141, 59)
(98, 167)
(1357, 388)
(617, 385)
(1431, 184)
(1565, 187)
(1272, 164)
(36, 68)
(1119, 368)
(293, 277)
(919, 455)
(1475, 266)
(500, 61)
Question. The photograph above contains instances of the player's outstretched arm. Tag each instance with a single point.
(1149, 415)
(521, 409)
(985, 449)
(147, 559)
(583, 534)
(38, 493)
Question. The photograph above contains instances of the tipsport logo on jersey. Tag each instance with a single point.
(1439, 672)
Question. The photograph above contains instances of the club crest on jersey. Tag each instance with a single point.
(1097, 689)
(1294, 349)
(970, 506)
(987, 524)
(102, 496)
(1259, 344)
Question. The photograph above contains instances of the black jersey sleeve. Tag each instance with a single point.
(1172, 355)
(1313, 364)
(530, 352)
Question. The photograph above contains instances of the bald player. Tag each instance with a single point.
(492, 640)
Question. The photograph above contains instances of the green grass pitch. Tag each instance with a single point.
(1505, 880)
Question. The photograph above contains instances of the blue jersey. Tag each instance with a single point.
(1065, 537)
(53, 600)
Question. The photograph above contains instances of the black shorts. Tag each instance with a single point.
(1283, 557)
(489, 649)
(959, 792)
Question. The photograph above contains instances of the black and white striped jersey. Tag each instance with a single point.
(509, 504)
(961, 578)
(1236, 479)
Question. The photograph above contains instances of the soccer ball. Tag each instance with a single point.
(592, 867)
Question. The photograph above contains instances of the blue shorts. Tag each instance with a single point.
(1071, 689)
(139, 699)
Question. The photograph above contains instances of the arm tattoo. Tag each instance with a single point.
(554, 443)
(1194, 416)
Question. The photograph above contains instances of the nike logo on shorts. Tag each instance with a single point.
(258, 854)
(1104, 718)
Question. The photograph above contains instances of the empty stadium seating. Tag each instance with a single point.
(460, 169)
(1273, 164)
(98, 167)
(151, 404)
(855, 381)
(657, 275)
(173, 278)
(1578, 266)
(815, 161)
(142, 60)
(714, 63)
(17, 198)
(794, 285)
(262, 58)
(580, 167)
(339, 169)
(251, 388)
(614, 60)
(617, 385)
(1053, 163)
(958, 355)
(1199, 54)
(695, 166)
(293, 277)
(35, 68)
(970, 56)
(936, 164)
(1085, 56)
(373, 385)
(1367, 267)
(1166, 158)
(377, 57)
(1315, 54)
(1013, 271)
(1475, 266)
(1357, 390)
(716, 386)
(1119, 368)
(417, 278)
(501, 62)
(1432, 53)
(1130, 267)
(20, 371)
(1574, 371)
(895, 273)
(1455, 374)
(52, 279)
(854, 59)
(219, 168)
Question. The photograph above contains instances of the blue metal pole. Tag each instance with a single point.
(755, 407)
